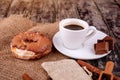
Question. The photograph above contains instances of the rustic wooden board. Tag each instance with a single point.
(22, 7)
(66, 9)
(103, 14)
(111, 16)
(118, 2)
(43, 11)
(88, 12)
(52, 10)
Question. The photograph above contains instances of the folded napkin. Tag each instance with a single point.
(66, 69)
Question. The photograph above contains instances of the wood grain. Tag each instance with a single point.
(43, 11)
(111, 15)
(89, 12)
(22, 7)
(117, 2)
(66, 9)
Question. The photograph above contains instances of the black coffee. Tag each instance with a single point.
(74, 27)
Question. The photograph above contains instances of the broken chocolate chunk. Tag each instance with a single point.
(101, 48)
(108, 39)
(111, 42)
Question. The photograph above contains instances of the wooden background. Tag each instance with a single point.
(104, 14)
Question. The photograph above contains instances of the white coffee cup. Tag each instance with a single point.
(74, 39)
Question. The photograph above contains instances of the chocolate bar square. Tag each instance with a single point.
(111, 42)
(101, 48)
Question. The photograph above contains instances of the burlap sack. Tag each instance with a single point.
(47, 29)
(11, 26)
(66, 69)
(12, 68)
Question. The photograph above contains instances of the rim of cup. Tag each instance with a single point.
(75, 21)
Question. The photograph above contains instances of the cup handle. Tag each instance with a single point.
(91, 32)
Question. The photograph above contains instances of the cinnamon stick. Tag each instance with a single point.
(94, 69)
(26, 77)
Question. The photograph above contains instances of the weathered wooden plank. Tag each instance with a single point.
(88, 12)
(52, 10)
(118, 2)
(111, 15)
(4, 7)
(85, 10)
(43, 11)
(66, 9)
(21, 7)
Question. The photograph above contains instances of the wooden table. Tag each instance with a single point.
(104, 14)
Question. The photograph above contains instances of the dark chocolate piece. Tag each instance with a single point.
(111, 42)
(101, 48)
(108, 39)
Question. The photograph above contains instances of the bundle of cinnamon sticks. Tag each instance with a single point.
(94, 69)
(81, 63)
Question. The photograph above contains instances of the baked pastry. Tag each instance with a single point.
(30, 45)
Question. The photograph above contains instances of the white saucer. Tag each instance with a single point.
(85, 53)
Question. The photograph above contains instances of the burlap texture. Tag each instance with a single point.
(12, 68)
(66, 69)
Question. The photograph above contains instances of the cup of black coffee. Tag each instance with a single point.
(74, 32)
